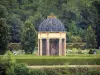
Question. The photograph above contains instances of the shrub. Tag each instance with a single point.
(71, 71)
(93, 72)
(74, 50)
(75, 39)
(91, 51)
(76, 45)
(21, 69)
(79, 52)
(14, 46)
(35, 52)
(6, 64)
(60, 61)
(37, 72)
(51, 71)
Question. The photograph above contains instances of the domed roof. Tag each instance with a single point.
(51, 24)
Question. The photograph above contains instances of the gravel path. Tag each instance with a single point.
(61, 66)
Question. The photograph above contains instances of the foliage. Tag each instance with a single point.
(71, 71)
(91, 38)
(3, 11)
(76, 45)
(51, 71)
(96, 4)
(73, 28)
(75, 15)
(68, 36)
(75, 33)
(68, 60)
(66, 71)
(92, 51)
(76, 39)
(37, 72)
(3, 30)
(9, 67)
(14, 46)
(79, 52)
(21, 69)
(93, 72)
(28, 37)
(6, 63)
(15, 27)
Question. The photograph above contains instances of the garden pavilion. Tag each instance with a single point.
(51, 37)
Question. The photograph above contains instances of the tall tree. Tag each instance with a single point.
(3, 11)
(96, 4)
(73, 28)
(15, 27)
(28, 37)
(3, 30)
(91, 38)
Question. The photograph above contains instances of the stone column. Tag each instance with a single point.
(60, 47)
(40, 47)
(47, 49)
(64, 47)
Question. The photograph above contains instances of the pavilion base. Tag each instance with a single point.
(51, 45)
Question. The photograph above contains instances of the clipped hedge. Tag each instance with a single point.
(76, 45)
(14, 46)
(72, 71)
(59, 60)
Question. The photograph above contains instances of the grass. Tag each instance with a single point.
(69, 59)
(98, 51)
(80, 59)
(67, 56)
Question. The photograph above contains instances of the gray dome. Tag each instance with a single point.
(51, 24)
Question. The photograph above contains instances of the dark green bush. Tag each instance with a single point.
(37, 72)
(51, 71)
(93, 72)
(6, 64)
(21, 69)
(71, 71)
(90, 51)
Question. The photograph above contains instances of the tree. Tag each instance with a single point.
(28, 37)
(82, 33)
(68, 36)
(3, 11)
(3, 30)
(3, 36)
(73, 28)
(82, 12)
(76, 39)
(90, 38)
(15, 24)
(96, 4)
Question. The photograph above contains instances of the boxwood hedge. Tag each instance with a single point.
(63, 60)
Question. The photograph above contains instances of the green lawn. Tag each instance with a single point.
(75, 59)
(98, 51)
(69, 59)
(30, 56)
